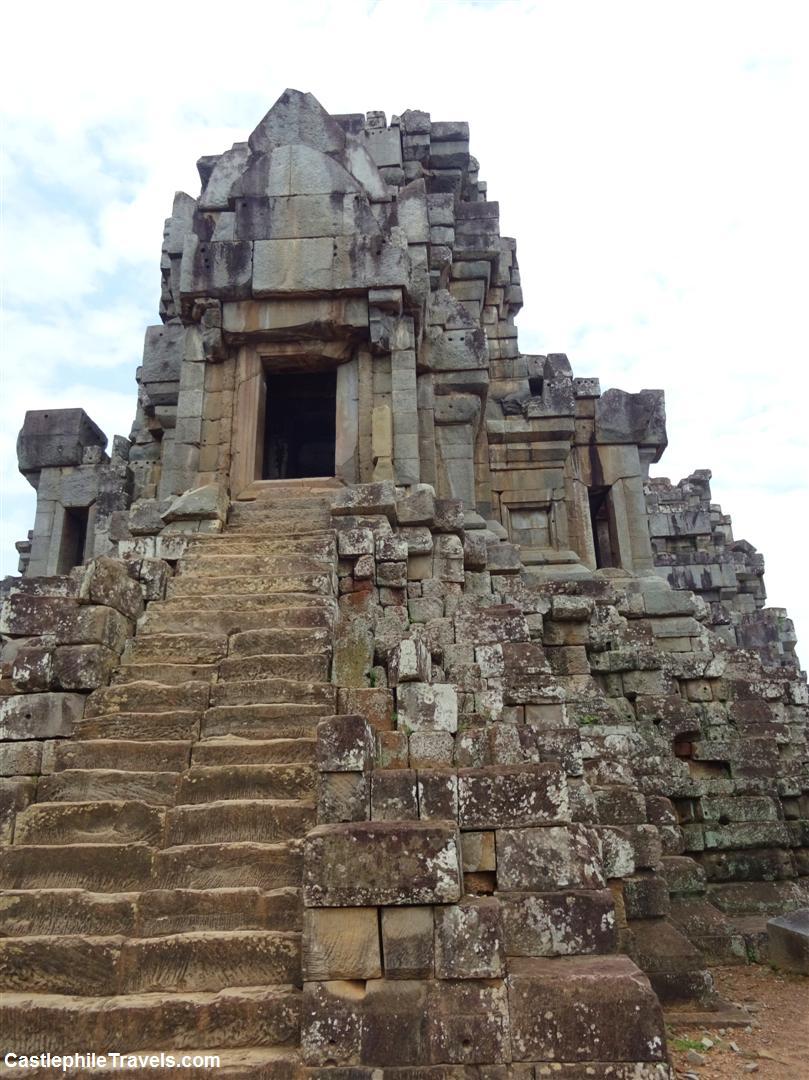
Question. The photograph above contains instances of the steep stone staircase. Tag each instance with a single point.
(151, 897)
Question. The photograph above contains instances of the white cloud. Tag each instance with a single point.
(649, 158)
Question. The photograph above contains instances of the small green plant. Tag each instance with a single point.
(372, 679)
(688, 1044)
(587, 719)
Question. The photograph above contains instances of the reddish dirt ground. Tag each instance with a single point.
(776, 1044)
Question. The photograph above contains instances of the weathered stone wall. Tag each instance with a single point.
(694, 547)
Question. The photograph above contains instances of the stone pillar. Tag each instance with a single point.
(346, 457)
(404, 404)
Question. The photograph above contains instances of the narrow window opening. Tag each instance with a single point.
(535, 385)
(74, 538)
(300, 424)
(603, 537)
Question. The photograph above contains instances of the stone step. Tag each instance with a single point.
(257, 1016)
(271, 602)
(290, 582)
(127, 754)
(176, 911)
(257, 820)
(273, 524)
(227, 750)
(211, 783)
(96, 867)
(280, 564)
(145, 727)
(275, 691)
(317, 545)
(91, 822)
(231, 865)
(208, 960)
(165, 674)
(324, 486)
(278, 519)
(73, 964)
(147, 696)
(263, 722)
(280, 640)
(290, 500)
(271, 1063)
(177, 648)
(38, 912)
(284, 502)
(238, 615)
(78, 785)
(313, 667)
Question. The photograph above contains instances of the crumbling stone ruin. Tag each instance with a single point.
(370, 712)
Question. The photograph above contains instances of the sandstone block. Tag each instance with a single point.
(343, 796)
(106, 581)
(63, 621)
(82, 667)
(355, 542)
(32, 667)
(379, 498)
(491, 625)
(617, 853)
(391, 575)
(541, 860)
(574, 1009)
(788, 941)
(431, 749)
(502, 797)
(353, 652)
(395, 1024)
(344, 744)
(20, 758)
(469, 940)
(417, 508)
(341, 943)
(15, 794)
(374, 703)
(468, 1023)
(419, 540)
(409, 661)
(331, 1022)
(391, 750)
(390, 547)
(425, 707)
(645, 896)
(503, 558)
(571, 608)
(408, 942)
(620, 806)
(381, 862)
(438, 794)
(558, 924)
(478, 852)
(39, 716)
(364, 568)
(427, 608)
(394, 795)
(682, 875)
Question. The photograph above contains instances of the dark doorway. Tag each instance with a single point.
(603, 529)
(299, 428)
(74, 538)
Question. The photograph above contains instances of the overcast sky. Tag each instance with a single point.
(650, 158)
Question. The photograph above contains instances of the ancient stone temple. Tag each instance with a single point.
(369, 713)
